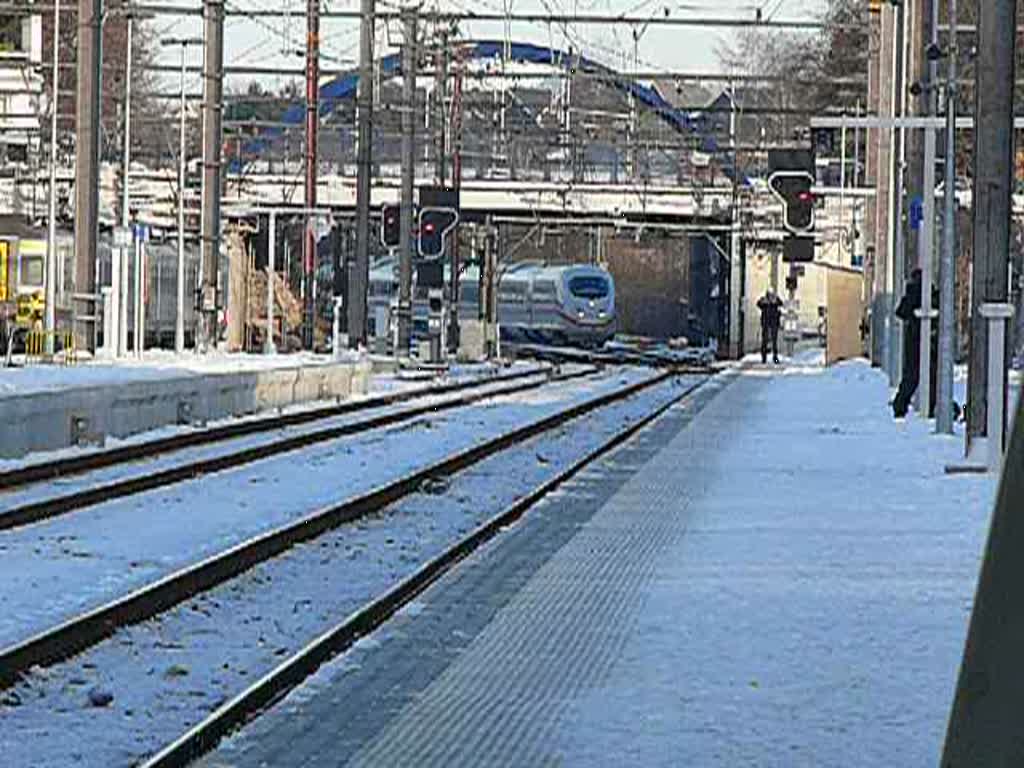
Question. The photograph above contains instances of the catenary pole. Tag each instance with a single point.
(993, 187)
(87, 148)
(312, 123)
(408, 180)
(926, 236)
(359, 274)
(947, 267)
(897, 222)
(213, 87)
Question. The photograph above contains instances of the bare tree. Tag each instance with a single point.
(147, 112)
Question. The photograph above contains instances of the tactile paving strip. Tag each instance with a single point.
(499, 703)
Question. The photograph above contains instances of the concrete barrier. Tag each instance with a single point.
(49, 420)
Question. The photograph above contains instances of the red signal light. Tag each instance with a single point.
(805, 197)
(428, 228)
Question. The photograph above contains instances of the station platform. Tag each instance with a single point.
(53, 407)
(775, 573)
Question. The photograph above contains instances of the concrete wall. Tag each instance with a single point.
(46, 421)
(652, 284)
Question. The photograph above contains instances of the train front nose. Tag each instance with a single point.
(593, 311)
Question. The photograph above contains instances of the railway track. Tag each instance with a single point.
(51, 505)
(291, 672)
(90, 627)
(74, 465)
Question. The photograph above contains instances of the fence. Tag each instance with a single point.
(38, 342)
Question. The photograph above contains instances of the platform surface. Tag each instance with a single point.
(775, 575)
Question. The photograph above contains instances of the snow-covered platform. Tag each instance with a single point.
(44, 408)
(774, 575)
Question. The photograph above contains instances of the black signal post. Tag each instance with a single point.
(434, 226)
(793, 188)
(390, 226)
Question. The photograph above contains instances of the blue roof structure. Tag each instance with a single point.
(344, 87)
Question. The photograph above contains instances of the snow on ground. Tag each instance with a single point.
(816, 610)
(168, 673)
(54, 569)
(813, 573)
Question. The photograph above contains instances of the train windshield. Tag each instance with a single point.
(588, 287)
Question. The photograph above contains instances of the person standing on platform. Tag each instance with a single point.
(907, 312)
(771, 316)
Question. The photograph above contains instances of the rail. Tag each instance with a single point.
(147, 479)
(89, 628)
(291, 673)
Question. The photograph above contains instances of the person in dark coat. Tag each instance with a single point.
(907, 312)
(771, 317)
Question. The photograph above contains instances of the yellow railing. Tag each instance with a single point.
(36, 347)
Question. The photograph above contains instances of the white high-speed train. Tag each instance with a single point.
(563, 305)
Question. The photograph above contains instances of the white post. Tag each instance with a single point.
(113, 304)
(925, 246)
(109, 349)
(142, 296)
(50, 313)
(138, 299)
(268, 344)
(122, 327)
(842, 182)
(120, 253)
(735, 273)
(997, 315)
(339, 304)
(179, 320)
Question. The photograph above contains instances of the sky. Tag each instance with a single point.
(264, 42)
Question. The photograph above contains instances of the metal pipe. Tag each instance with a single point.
(51, 234)
(268, 343)
(179, 319)
(119, 254)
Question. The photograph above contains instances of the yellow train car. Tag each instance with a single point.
(30, 286)
(22, 287)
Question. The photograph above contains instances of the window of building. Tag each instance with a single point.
(10, 34)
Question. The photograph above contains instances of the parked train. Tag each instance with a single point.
(23, 265)
(563, 305)
(22, 278)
